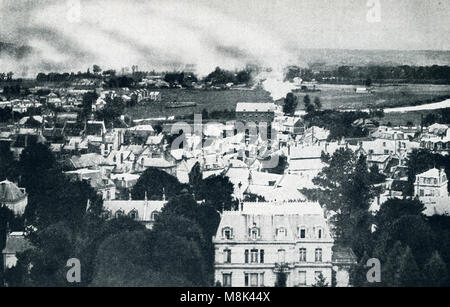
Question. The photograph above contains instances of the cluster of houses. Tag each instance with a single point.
(285, 232)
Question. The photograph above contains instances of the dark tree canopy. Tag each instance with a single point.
(156, 182)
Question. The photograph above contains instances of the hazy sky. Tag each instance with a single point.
(208, 33)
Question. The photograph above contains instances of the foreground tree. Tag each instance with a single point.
(435, 271)
(344, 189)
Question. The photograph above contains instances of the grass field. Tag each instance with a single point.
(344, 96)
(209, 100)
(332, 97)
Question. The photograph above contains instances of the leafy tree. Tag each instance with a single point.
(177, 249)
(217, 191)
(112, 111)
(408, 273)
(358, 272)
(393, 209)
(195, 178)
(317, 103)
(309, 107)
(435, 271)
(321, 281)
(344, 188)
(290, 104)
(156, 182)
(123, 260)
(54, 245)
(391, 270)
(250, 197)
(88, 100)
(8, 165)
(412, 231)
(375, 175)
(96, 69)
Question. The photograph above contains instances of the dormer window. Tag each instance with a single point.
(254, 233)
(319, 232)
(119, 213)
(133, 214)
(302, 232)
(281, 232)
(227, 233)
(154, 215)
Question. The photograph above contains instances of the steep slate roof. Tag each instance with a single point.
(255, 107)
(268, 217)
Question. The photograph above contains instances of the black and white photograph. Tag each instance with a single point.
(224, 148)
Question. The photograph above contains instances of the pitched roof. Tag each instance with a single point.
(433, 173)
(269, 216)
(9, 192)
(255, 107)
(144, 208)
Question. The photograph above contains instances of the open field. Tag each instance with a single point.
(210, 100)
(332, 97)
(345, 97)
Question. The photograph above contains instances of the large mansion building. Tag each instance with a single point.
(255, 243)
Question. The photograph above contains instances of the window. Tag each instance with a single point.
(154, 215)
(254, 256)
(251, 279)
(254, 233)
(302, 255)
(227, 255)
(226, 279)
(302, 232)
(133, 214)
(254, 279)
(246, 256)
(281, 256)
(227, 233)
(318, 255)
(281, 232)
(302, 278)
(319, 233)
(261, 256)
(119, 213)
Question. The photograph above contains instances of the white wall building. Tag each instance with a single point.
(431, 188)
(255, 242)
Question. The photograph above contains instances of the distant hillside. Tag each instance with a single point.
(336, 57)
